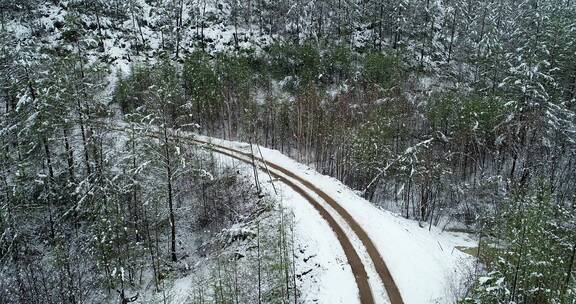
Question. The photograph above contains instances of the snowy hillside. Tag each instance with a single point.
(362, 151)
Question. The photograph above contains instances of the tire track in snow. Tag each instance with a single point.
(360, 272)
(352, 256)
(358, 269)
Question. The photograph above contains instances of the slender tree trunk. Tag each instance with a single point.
(48, 158)
(293, 265)
(518, 263)
(452, 33)
(203, 25)
(100, 40)
(179, 27)
(259, 263)
(170, 200)
(134, 187)
(408, 197)
(236, 290)
(155, 268)
(235, 21)
(380, 38)
(432, 213)
(424, 39)
(69, 154)
(84, 139)
(254, 168)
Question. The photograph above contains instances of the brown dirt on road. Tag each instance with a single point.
(356, 264)
(353, 258)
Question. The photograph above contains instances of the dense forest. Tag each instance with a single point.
(458, 114)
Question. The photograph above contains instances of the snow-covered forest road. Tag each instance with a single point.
(425, 262)
(303, 186)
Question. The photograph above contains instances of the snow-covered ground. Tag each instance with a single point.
(325, 276)
(426, 265)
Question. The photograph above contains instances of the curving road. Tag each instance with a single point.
(304, 187)
(301, 186)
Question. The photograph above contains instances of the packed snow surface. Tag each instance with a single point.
(324, 274)
(425, 265)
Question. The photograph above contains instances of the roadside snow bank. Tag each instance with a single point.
(322, 271)
(425, 264)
